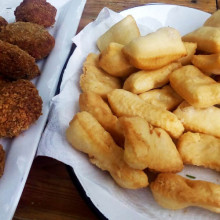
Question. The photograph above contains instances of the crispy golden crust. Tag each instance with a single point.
(94, 79)
(33, 38)
(36, 11)
(16, 63)
(87, 135)
(3, 22)
(165, 97)
(203, 120)
(200, 150)
(148, 147)
(156, 49)
(2, 160)
(20, 106)
(198, 89)
(172, 191)
(124, 103)
(145, 80)
(96, 106)
(213, 20)
(112, 61)
(190, 49)
(207, 39)
(122, 32)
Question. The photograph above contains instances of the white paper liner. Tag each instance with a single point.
(20, 151)
(113, 201)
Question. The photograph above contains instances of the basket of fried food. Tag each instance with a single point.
(22, 43)
(151, 103)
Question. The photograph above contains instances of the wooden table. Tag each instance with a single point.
(49, 193)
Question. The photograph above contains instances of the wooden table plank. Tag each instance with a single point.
(49, 193)
(93, 7)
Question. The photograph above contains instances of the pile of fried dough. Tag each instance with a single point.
(151, 103)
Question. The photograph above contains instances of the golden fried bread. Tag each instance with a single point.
(124, 103)
(122, 32)
(144, 80)
(207, 39)
(2, 160)
(143, 144)
(165, 98)
(94, 104)
(213, 20)
(113, 61)
(172, 191)
(190, 49)
(207, 63)
(156, 49)
(200, 150)
(195, 87)
(205, 120)
(94, 79)
(87, 135)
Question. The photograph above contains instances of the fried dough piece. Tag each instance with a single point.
(87, 135)
(199, 120)
(2, 160)
(94, 104)
(207, 39)
(33, 38)
(173, 191)
(213, 20)
(144, 80)
(200, 150)
(207, 63)
(16, 63)
(165, 98)
(36, 11)
(196, 88)
(190, 49)
(156, 49)
(112, 61)
(95, 79)
(148, 147)
(122, 32)
(124, 103)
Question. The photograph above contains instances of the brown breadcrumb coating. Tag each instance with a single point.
(36, 11)
(32, 38)
(2, 160)
(3, 22)
(3, 81)
(16, 63)
(20, 106)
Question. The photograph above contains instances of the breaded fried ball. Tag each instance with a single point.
(20, 106)
(16, 63)
(36, 11)
(3, 22)
(2, 160)
(32, 38)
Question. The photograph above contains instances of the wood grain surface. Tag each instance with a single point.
(49, 193)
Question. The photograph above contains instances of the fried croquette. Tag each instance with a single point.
(2, 160)
(20, 106)
(36, 11)
(32, 38)
(3, 22)
(16, 63)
